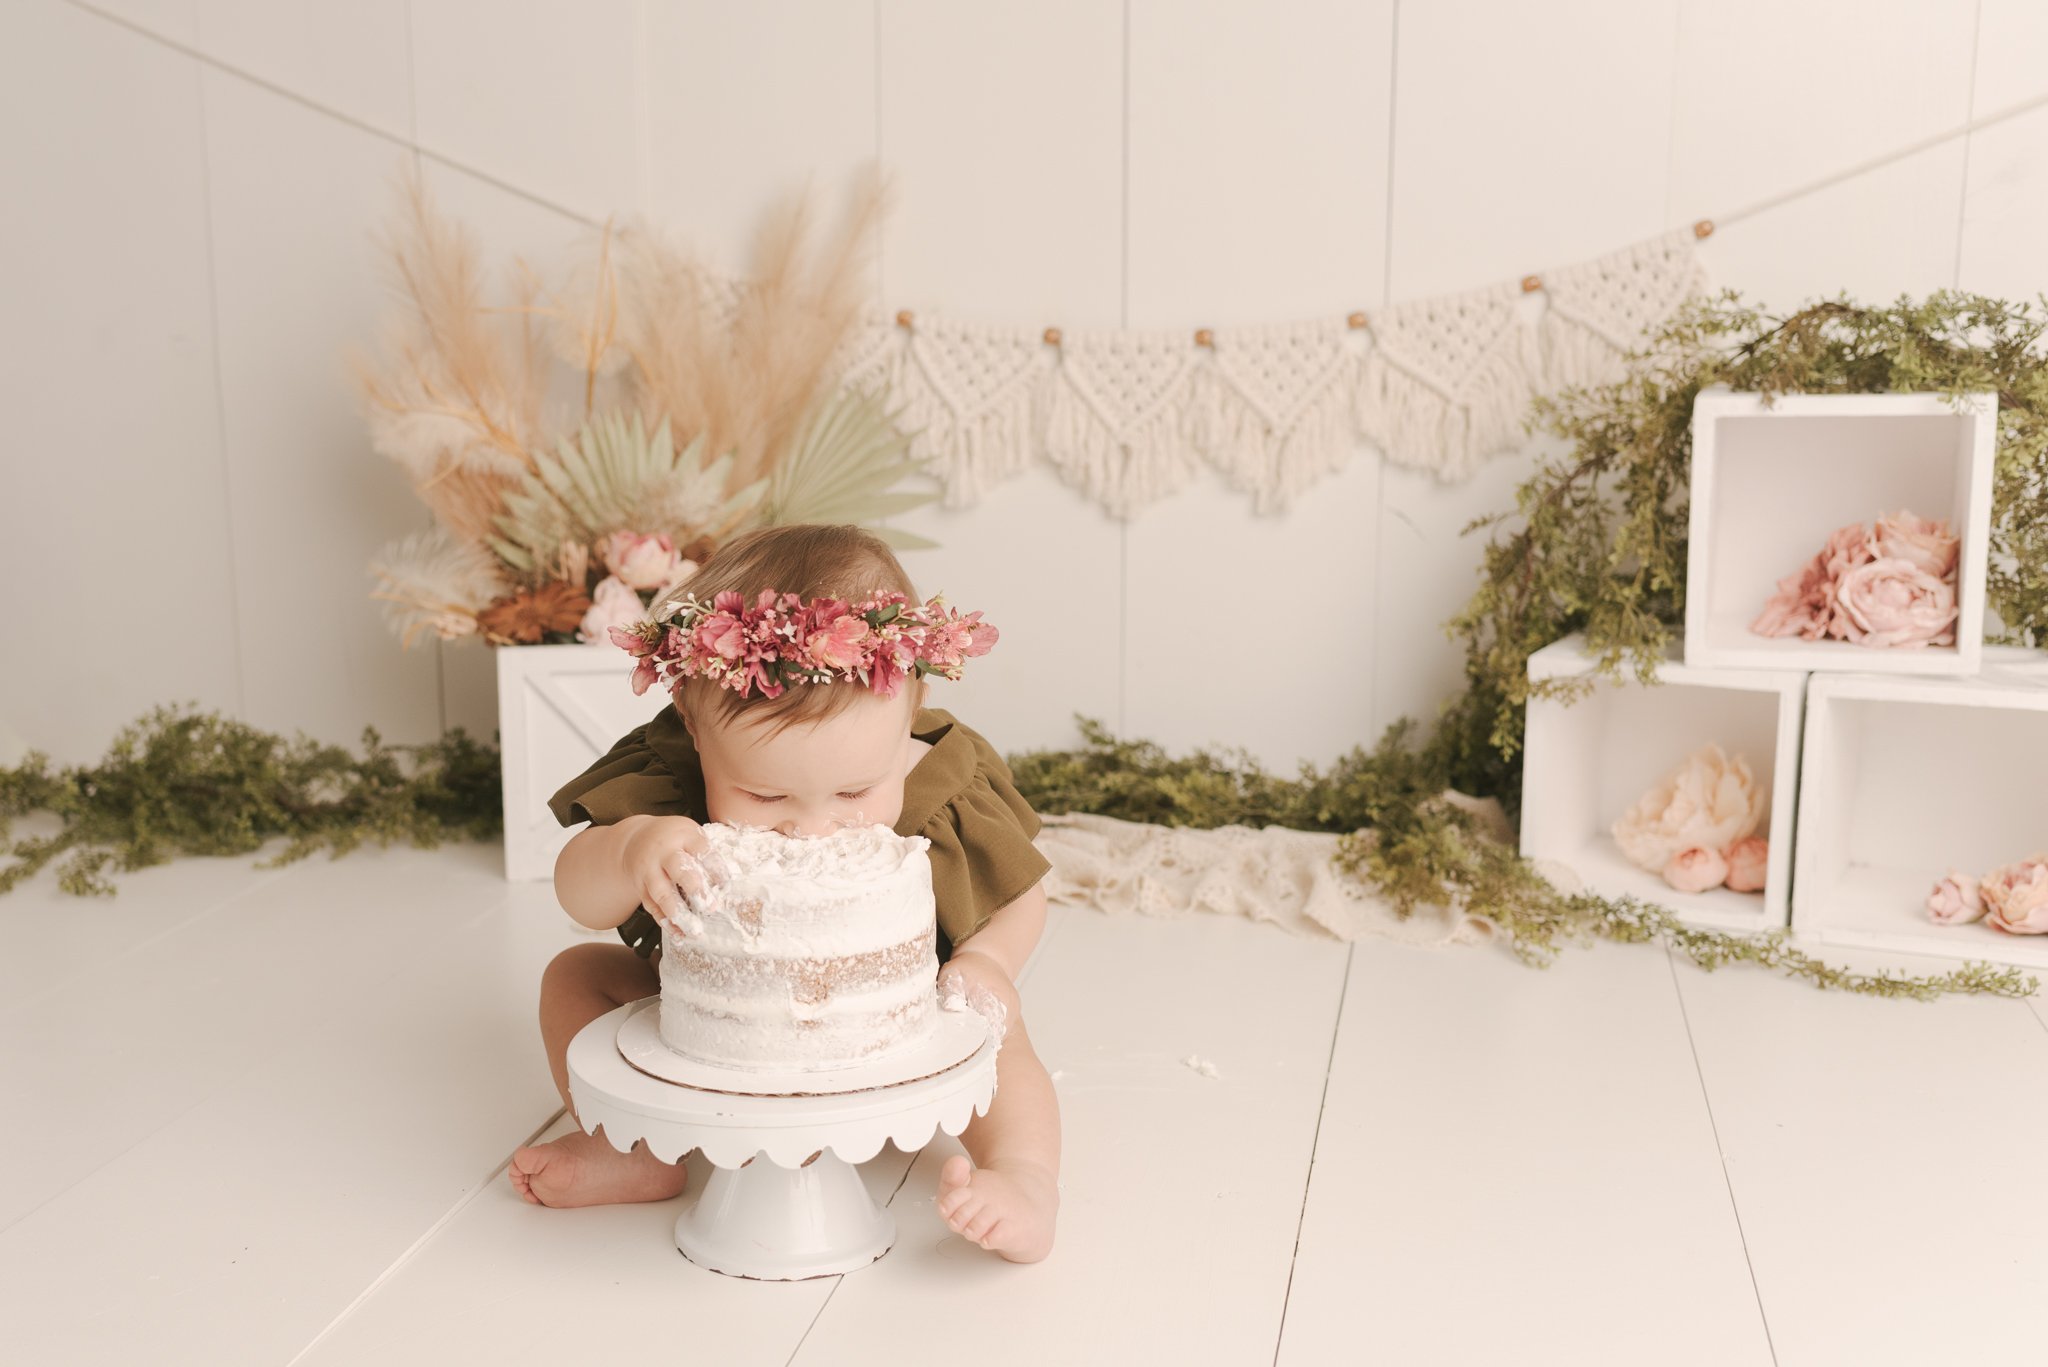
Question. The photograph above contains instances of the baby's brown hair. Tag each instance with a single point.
(811, 561)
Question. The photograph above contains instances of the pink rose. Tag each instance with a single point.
(1931, 545)
(1849, 547)
(838, 646)
(2016, 896)
(1954, 900)
(612, 605)
(641, 562)
(1749, 864)
(1696, 869)
(1896, 603)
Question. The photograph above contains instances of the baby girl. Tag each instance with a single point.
(754, 746)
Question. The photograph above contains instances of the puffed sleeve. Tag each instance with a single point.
(982, 856)
(652, 770)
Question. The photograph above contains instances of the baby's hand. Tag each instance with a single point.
(660, 860)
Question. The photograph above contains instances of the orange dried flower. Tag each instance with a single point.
(527, 616)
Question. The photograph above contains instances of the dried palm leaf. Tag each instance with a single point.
(844, 465)
(615, 475)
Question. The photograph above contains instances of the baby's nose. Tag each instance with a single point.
(807, 827)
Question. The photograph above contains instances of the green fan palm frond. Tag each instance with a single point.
(616, 475)
(845, 465)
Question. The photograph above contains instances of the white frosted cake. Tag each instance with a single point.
(806, 954)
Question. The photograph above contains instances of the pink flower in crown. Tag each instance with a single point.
(722, 633)
(892, 662)
(637, 640)
(644, 674)
(840, 645)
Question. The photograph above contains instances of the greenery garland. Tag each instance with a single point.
(1401, 839)
(1596, 544)
(184, 782)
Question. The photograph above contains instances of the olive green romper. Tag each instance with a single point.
(959, 796)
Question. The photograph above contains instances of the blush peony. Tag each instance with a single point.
(1891, 602)
(641, 562)
(2016, 896)
(1711, 801)
(612, 604)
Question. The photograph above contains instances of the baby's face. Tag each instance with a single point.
(810, 779)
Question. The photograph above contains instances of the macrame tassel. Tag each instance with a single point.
(1271, 411)
(1449, 380)
(1601, 311)
(967, 399)
(1113, 417)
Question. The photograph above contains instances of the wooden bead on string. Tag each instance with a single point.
(1704, 228)
(1355, 322)
(1204, 337)
(1052, 336)
(1531, 283)
(903, 319)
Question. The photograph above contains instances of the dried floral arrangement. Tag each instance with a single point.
(583, 448)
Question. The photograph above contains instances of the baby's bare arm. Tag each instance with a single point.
(604, 872)
(1011, 933)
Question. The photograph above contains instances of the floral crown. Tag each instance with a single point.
(783, 639)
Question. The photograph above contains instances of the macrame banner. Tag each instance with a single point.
(1128, 416)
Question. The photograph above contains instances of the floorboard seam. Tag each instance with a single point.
(397, 1264)
(1308, 1179)
(1713, 1127)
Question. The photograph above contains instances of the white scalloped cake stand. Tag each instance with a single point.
(803, 1212)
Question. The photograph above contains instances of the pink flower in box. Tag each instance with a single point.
(2016, 896)
(1954, 900)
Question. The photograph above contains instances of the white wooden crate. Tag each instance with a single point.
(1906, 778)
(1586, 763)
(559, 708)
(1769, 485)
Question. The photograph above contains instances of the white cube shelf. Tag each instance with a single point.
(559, 708)
(1586, 762)
(1770, 485)
(1904, 779)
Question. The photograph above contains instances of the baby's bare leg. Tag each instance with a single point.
(1008, 1198)
(581, 984)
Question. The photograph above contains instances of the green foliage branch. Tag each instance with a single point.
(183, 782)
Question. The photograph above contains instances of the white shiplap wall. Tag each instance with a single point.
(188, 500)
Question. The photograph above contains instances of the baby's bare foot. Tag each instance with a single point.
(585, 1170)
(1009, 1211)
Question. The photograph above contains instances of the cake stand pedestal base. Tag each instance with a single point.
(783, 1201)
(779, 1224)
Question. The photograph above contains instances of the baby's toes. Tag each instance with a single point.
(963, 1210)
(977, 1226)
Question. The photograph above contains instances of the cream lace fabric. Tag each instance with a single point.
(1282, 876)
(1130, 416)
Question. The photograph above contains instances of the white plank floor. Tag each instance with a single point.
(262, 1117)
